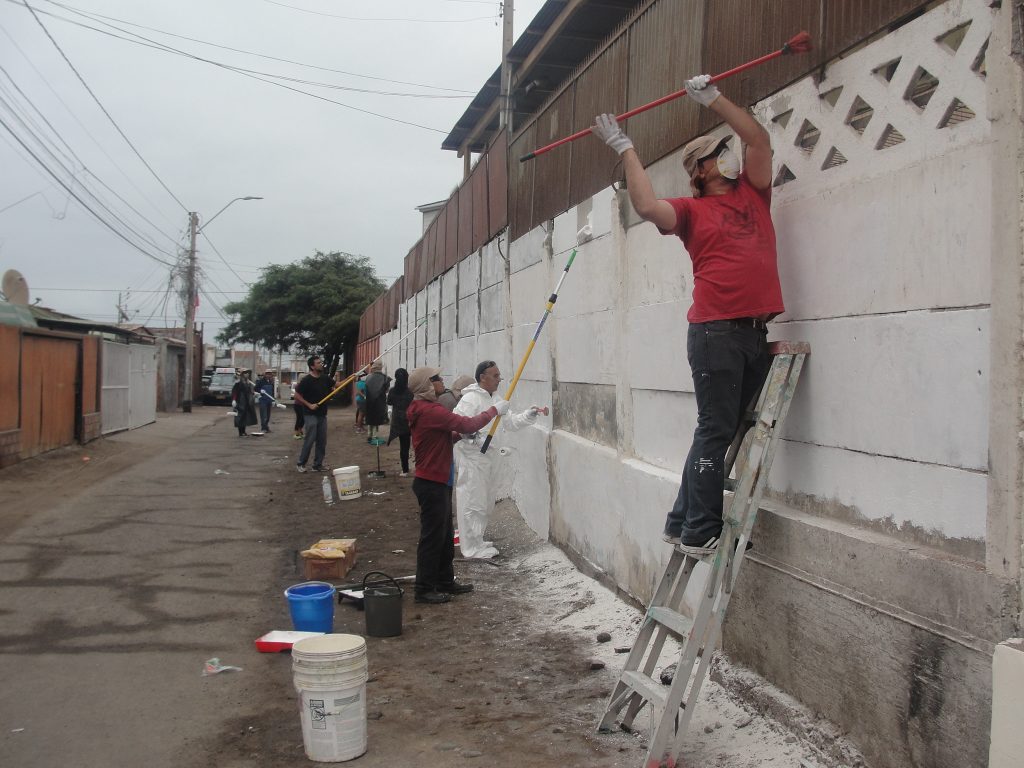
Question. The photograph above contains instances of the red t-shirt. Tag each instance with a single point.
(432, 425)
(731, 241)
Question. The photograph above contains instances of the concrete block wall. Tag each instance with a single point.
(10, 447)
(884, 575)
(91, 426)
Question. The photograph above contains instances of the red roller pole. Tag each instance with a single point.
(799, 43)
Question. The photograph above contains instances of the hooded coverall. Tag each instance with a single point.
(474, 491)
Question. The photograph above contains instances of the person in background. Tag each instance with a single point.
(460, 384)
(474, 488)
(265, 398)
(313, 388)
(399, 398)
(360, 402)
(450, 397)
(432, 427)
(377, 385)
(300, 418)
(726, 228)
(243, 400)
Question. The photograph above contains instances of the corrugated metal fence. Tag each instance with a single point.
(650, 56)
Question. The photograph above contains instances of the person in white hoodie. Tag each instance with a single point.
(474, 492)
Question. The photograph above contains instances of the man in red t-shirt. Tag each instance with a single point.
(726, 227)
(433, 427)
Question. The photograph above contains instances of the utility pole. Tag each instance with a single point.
(190, 311)
(505, 107)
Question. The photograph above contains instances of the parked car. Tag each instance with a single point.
(219, 389)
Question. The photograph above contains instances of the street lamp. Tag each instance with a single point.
(190, 307)
(218, 213)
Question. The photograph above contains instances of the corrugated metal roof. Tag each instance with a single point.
(16, 314)
(589, 24)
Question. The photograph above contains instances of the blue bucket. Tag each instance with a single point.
(312, 606)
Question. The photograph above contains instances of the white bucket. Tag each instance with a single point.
(329, 673)
(347, 481)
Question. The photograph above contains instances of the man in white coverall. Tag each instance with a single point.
(474, 492)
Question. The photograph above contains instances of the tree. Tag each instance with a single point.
(314, 306)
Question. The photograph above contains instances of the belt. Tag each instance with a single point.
(753, 322)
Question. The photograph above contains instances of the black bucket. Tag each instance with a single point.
(383, 603)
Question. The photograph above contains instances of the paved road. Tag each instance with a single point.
(119, 577)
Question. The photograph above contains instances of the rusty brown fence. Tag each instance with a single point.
(48, 391)
(649, 56)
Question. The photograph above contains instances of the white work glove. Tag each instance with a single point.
(233, 405)
(702, 90)
(606, 128)
(501, 406)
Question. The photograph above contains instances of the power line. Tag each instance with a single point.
(99, 201)
(100, 105)
(96, 16)
(75, 118)
(80, 161)
(360, 18)
(71, 192)
(238, 70)
(219, 256)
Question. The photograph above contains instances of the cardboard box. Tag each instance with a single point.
(330, 569)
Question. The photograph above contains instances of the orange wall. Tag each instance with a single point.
(10, 371)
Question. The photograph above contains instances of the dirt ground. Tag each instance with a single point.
(123, 573)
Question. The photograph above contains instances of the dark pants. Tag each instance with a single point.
(315, 425)
(436, 549)
(300, 419)
(729, 360)
(403, 451)
(265, 415)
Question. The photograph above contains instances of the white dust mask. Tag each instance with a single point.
(728, 164)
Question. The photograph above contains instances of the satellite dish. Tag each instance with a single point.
(15, 287)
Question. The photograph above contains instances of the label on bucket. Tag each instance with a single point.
(347, 481)
(334, 723)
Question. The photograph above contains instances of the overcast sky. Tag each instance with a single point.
(333, 178)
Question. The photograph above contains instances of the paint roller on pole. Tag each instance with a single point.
(529, 348)
(799, 43)
(355, 373)
(261, 393)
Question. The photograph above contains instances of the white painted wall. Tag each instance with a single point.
(885, 264)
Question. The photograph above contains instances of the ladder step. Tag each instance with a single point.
(652, 692)
(675, 622)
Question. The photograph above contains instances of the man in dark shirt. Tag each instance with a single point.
(313, 388)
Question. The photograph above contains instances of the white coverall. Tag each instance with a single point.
(474, 493)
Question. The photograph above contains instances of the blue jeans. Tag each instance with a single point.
(315, 425)
(265, 415)
(729, 360)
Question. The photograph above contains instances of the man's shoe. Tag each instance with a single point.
(319, 468)
(432, 598)
(300, 468)
(296, 437)
(455, 588)
(670, 538)
(709, 547)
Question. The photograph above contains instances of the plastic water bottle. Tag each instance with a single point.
(328, 493)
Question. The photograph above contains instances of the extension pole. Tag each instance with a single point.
(352, 378)
(799, 43)
(529, 348)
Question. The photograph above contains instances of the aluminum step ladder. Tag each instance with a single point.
(750, 454)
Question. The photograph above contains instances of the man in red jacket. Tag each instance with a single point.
(432, 426)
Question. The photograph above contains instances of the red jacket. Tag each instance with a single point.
(432, 425)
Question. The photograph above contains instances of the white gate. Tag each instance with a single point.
(128, 397)
(141, 385)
